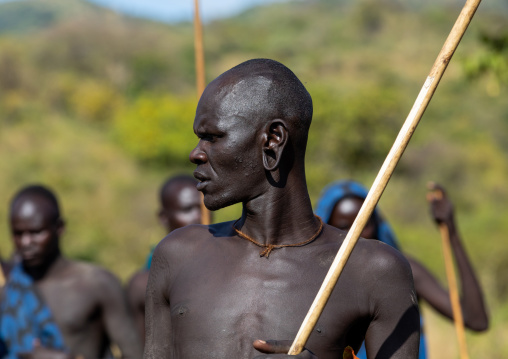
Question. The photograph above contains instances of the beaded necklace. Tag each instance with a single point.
(269, 247)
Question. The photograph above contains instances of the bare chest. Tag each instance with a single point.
(234, 301)
(74, 306)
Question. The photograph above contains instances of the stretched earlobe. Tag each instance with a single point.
(274, 163)
(275, 140)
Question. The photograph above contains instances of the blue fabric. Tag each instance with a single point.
(332, 194)
(149, 258)
(24, 317)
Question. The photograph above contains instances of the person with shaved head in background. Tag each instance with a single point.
(54, 307)
(180, 204)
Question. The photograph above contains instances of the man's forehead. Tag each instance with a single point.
(236, 95)
(33, 206)
(188, 196)
(245, 94)
(27, 209)
(181, 191)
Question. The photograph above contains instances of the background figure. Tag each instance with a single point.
(339, 205)
(54, 307)
(180, 204)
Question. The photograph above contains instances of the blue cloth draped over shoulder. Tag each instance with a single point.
(332, 194)
(24, 317)
(149, 259)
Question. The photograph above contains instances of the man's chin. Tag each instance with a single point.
(32, 262)
(214, 204)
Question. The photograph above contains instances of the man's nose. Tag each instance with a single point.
(197, 156)
(26, 239)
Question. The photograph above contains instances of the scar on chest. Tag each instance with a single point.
(320, 330)
(326, 258)
(180, 311)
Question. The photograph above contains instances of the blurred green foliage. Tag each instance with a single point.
(491, 61)
(100, 107)
(157, 128)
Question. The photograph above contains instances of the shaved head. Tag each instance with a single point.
(40, 194)
(173, 185)
(263, 90)
(180, 202)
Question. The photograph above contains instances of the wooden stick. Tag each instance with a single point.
(2, 277)
(200, 82)
(454, 293)
(437, 194)
(423, 99)
(199, 53)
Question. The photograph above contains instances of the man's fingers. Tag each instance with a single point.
(437, 192)
(272, 346)
(437, 189)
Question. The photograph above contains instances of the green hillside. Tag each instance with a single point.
(100, 107)
(32, 15)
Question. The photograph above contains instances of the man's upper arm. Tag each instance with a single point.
(136, 290)
(395, 328)
(157, 310)
(116, 316)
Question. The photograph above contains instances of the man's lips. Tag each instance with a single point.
(203, 180)
(28, 256)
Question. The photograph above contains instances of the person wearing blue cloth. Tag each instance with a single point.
(180, 204)
(51, 306)
(339, 205)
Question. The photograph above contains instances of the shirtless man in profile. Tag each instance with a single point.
(180, 206)
(221, 291)
(54, 307)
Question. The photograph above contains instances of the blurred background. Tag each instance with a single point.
(97, 101)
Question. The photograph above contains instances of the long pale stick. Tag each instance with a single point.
(2, 277)
(454, 294)
(198, 49)
(423, 99)
(437, 194)
(200, 81)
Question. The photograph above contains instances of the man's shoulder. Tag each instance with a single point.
(382, 264)
(138, 281)
(370, 254)
(91, 275)
(195, 234)
(183, 242)
(380, 255)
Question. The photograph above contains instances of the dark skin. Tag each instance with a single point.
(427, 286)
(211, 295)
(86, 301)
(181, 206)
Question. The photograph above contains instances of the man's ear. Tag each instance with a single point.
(275, 139)
(60, 227)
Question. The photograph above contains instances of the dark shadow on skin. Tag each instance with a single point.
(400, 334)
(279, 184)
(286, 164)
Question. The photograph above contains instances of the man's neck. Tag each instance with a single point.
(281, 216)
(47, 269)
